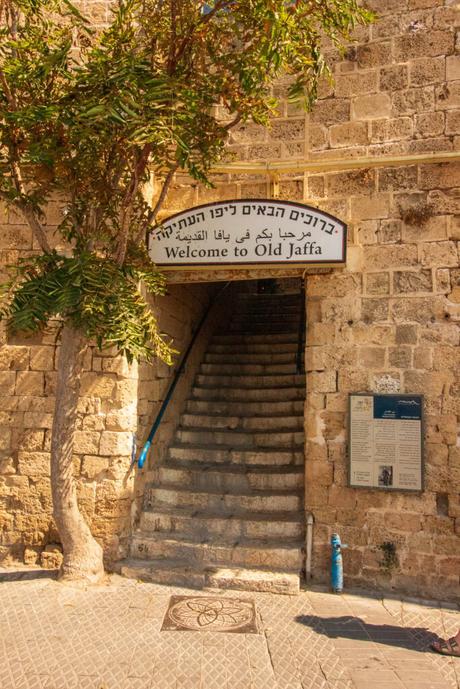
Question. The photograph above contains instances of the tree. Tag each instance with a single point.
(89, 115)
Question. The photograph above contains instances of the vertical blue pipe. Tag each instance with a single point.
(336, 563)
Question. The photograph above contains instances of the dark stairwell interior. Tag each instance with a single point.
(225, 509)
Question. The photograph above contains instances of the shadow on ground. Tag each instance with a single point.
(28, 575)
(349, 627)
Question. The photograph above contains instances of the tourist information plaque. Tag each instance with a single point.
(385, 441)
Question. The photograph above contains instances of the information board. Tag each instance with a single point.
(248, 233)
(385, 440)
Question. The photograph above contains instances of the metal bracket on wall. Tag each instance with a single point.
(274, 186)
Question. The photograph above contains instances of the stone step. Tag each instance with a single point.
(270, 307)
(283, 554)
(268, 298)
(249, 369)
(252, 318)
(180, 573)
(243, 423)
(231, 349)
(244, 439)
(266, 329)
(245, 409)
(245, 358)
(254, 381)
(269, 339)
(249, 394)
(257, 501)
(204, 525)
(248, 457)
(226, 477)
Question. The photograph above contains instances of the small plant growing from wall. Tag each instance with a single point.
(389, 561)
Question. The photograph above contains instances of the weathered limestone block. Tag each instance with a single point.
(353, 380)
(423, 44)
(394, 77)
(371, 107)
(42, 358)
(370, 207)
(447, 96)
(423, 358)
(378, 284)
(356, 83)
(29, 383)
(14, 358)
(385, 257)
(287, 129)
(331, 111)
(340, 310)
(452, 122)
(430, 124)
(333, 285)
(122, 420)
(412, 281)
(95, 385)
(441, 175)
(420, 309)
(400, 357)
(116, 443)
(439, 254)
(351, 182)
(37, 420)
(34, 463)
(94, 467)
(374, 310)
(413, 100)
(322, 381)
(348, 134)
(320, 333)
(86, 442)
(426, 229)
(427, 70)
(373, 54)
(51, 557)
(372, 357)
(391, 129)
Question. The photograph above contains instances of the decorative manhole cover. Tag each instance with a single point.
(203, 613)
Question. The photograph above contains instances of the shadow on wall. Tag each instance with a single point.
(356, 629)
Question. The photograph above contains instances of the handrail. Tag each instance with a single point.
(167, 399)
(301, 333)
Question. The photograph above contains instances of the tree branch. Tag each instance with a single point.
(164, 190)
(127, 203)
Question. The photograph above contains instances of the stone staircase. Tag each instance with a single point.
(226, 508)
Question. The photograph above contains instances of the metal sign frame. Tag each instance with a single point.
(422, 446)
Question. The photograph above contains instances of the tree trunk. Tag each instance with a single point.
(82, 553)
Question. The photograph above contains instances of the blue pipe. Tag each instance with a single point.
(336, 563)
(148, 443)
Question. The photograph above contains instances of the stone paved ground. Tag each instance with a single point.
(55, 636)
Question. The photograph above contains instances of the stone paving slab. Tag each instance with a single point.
(57, 636)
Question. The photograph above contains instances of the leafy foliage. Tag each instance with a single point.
(89, 115)
(96, 295)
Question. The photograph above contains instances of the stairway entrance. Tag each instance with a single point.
(226, 508)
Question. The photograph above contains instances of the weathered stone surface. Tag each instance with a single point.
(412, 281)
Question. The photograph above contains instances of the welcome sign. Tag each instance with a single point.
(248, 233)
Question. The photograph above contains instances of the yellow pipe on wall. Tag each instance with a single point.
(280, 167)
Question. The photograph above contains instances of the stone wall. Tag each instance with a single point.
(390, 320)
(117, 406)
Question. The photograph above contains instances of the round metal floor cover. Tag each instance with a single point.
(206, 613)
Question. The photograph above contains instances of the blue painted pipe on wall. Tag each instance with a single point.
(336, 563)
